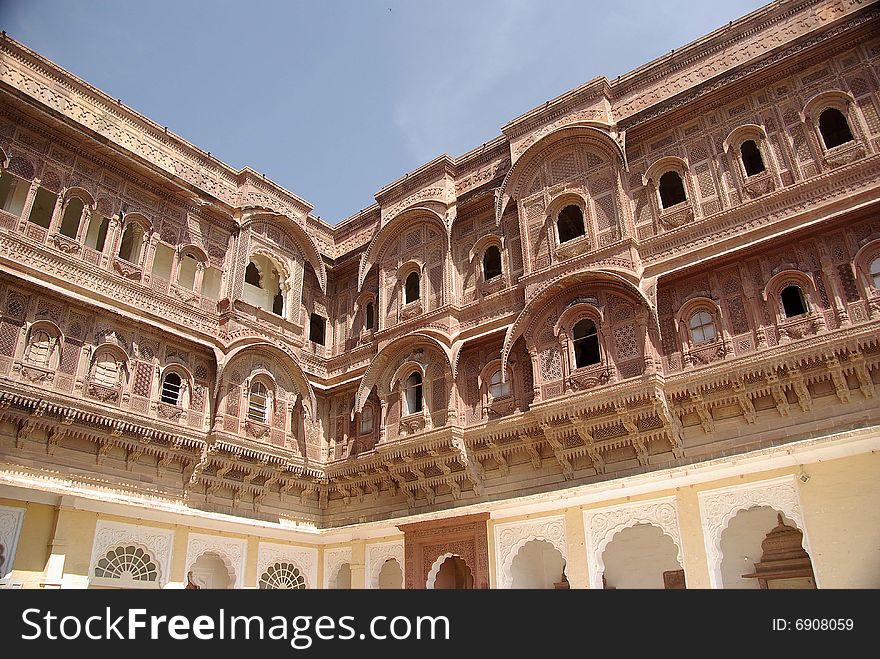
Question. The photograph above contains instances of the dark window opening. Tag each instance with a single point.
(586, 343)
(252, 275)
(834, 128)
(71, 218)
(793, 302)
(316, 329)
(278, 303)
(130, 246)
(44, 206)
(412, 288)
(570, 223)
(751, 157)
(491, 263)
(171, 389)
(671, 189)
(414, 393)
(368, 316)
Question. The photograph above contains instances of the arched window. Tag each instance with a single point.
(171, 389)
(412, 288)
(186, 274)
(586, 343)
(130, 246)
(106, 369)
(40, 348)
(252, 275)
(751, 158)
(367, 420)
(368, 316)
(874, 272)
(258, 403)
(491, 262)
(282, 576)
(497, 388)
(671, 189)
(414, 393)
(834, 128)
(702, 327)
(127, 562)
(570, 223)
(96, 236)
(793, 303)
(71, 218)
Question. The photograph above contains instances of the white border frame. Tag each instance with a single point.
(232, 551)
(718, 507)
(377, 554)
(602, 524)
(513, 536)
(305, 558)
(333, 560)
(11, 521)
(159, 542)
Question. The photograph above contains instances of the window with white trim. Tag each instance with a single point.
(702, 327)
(258, 403)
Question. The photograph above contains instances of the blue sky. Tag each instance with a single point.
(334, 99)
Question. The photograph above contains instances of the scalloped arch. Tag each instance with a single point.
(307, 245)
(287, 361)
(377, 245)
(533, 155)
(565, 282)
(371, 376)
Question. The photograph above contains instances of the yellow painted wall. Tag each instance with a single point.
(841, 502)
(33, 542)
(839, 508)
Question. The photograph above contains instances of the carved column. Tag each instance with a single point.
(149, 257)
(84, 221)
(200, 277)
(836, 292)
(28, 204)
(113, 226)
(536, 373)
(54, 223)
(383, 420)
(565, 361)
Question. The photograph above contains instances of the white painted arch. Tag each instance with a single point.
(602, 524)
(513, 536)
(719, 507)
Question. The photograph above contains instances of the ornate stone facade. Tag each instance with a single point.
(675, 267)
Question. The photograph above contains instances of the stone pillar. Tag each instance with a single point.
(55, 222)
(28, 204)
(576, 569)
(250, 563)
(565, 361)
(536, 374)
(177, 578)
(149, 257)
(693, 548)
(84, 221)
(113, 226)
(358, 565)
(58, 543)
(200, 277)
(839, 297)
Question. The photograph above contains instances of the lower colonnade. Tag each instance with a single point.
(772, 519)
